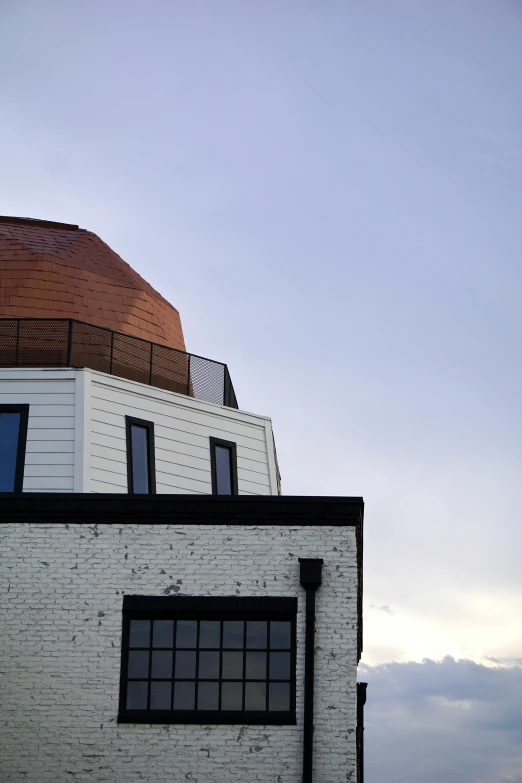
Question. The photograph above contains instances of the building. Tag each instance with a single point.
(204, 637)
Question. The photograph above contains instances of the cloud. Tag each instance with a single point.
(452, 720)
(385, 609)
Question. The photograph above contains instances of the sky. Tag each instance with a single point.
(330, 193)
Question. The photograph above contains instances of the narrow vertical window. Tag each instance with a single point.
(223, 462)
(13, 437)
(141, 472)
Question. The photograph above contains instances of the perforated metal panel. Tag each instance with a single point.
(207, 378)
(43, 343)
(8, 343)
(90, 347)
(59, 342)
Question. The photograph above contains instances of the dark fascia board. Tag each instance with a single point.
(275, 606)
(119, 509)
(112, 508)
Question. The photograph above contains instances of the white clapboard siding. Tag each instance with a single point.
(182, 428)
(50, 394)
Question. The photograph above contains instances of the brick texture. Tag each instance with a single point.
(58, 271)
(63, 587)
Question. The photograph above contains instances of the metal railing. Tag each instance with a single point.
(65, 342)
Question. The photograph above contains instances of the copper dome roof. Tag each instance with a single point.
(57, 270)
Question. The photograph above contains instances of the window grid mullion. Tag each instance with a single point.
(243, 695)
(173, 672)
(220, 680)
(149, 684)
(196, 686)
(267, 662)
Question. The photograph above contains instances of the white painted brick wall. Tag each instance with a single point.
(60, 619)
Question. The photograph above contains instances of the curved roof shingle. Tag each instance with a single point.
(57, 270)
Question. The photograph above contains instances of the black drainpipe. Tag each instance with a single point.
(361, 701)
(310, 578)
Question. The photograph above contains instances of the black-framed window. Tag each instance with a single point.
(223, 462)
(208, 660)
(141, 468)
(13, 439)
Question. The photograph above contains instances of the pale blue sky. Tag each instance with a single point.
(331, 194)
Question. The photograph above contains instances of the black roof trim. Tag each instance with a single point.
(114, 508)
(36, 223)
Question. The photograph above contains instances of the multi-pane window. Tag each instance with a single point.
(13, 436)
(189, 664)
(141, 473)
(223, 461)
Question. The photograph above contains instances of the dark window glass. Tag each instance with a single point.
(209, 665)
(280, 635)
(9, 436)
(137, 693)
(233, 633)
(232, 696)
(140, 460)
(255, 696)
(223, 470)
(208, 696)
(185, 665)
(138, 663)
(232, 665)
(209, 634)
(161, 663)
(256, 634)
(139, 633)
(279, 696)
(279, 666)
(160, 695)
(184, 695)
(186, 633)
(255, 666)
(163, 633)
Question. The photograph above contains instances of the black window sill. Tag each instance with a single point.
(206, 717)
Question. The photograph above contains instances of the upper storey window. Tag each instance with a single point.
(223, 460)
(13, 437)
(141, 471)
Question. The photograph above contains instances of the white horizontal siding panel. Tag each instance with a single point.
(48, 469)
(97, 485)
(46, 410)
(175, 428)
(48, 484)
(254, 489)
(182, 428)
(112, 400)
(102, 440)
(151, 395)
(183, 471)
(49, 458)
(108, 452)
(36, 399)
(36, 387)
(51, 422)
(170, 489)
(47, 433)
(174, 458)
(44, 447)
(110, 472)
(50, 394)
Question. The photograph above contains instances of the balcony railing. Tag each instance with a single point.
(63, 342)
